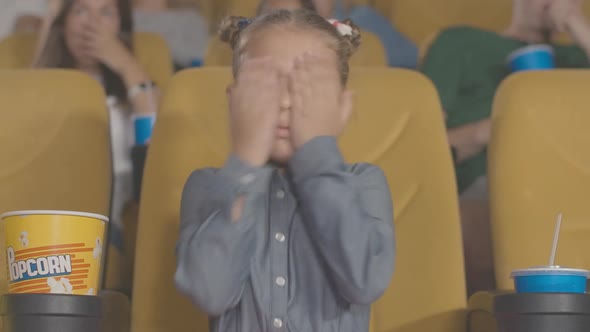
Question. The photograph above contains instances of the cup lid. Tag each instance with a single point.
(54, 212)
(530, 48)
(151, 116)
(550, 270)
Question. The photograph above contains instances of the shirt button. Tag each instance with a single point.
(278, 323)
(247, 179)
(280, 194)
(280, 237)
(281, 281)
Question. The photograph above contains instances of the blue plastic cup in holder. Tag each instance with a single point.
(550, 279)
(144, 125)
(533, 57)
(196, 62)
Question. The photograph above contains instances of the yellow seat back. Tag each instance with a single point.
(54, 144)
(154, 55)
(370, 53)
(218, 53)
(17, 51)
(399, 128)
(151, 50)
(539, 166)
(419, 19)
(183, 140)
(246, 8)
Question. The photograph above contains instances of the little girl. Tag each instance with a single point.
(286, 236)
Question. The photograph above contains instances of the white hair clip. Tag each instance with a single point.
(343, 29)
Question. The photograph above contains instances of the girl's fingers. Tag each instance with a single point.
(294, 87)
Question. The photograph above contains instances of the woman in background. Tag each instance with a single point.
(179, 23)
(95, 37)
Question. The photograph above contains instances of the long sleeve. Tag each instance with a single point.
(443, 64)
(349, 216)
(571, 56)
(213, 254)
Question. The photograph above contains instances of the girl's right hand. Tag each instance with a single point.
(254, 102)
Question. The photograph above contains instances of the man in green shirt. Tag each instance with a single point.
(467, 65)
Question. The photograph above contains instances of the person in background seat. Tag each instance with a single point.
(466, 65)
(95, 37)
(180, 23)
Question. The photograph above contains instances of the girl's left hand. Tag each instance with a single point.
(104, 45)
(321, 106)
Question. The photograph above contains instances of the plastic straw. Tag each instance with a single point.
(555, 239)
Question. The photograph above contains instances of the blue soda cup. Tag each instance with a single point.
(533, 57)
(144, 125)
(550, 279)
(196, 62)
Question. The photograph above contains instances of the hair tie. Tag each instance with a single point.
(244, 23)
(342, 28)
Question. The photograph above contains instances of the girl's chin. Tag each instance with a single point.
(282, 152)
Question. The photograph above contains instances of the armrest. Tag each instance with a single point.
(480, 312)
(116, 309)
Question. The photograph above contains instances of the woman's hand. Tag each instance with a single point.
(103, 44)
(321, 106)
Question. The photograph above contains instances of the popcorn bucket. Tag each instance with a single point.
(58, 252)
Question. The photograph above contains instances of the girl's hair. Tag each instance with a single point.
(56, 53)
(238, 31)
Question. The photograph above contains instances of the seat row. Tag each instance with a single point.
(55, 154)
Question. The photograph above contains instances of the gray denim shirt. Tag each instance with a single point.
(313, 248)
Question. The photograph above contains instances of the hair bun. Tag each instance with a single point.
(353, 38)
(231, 27)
